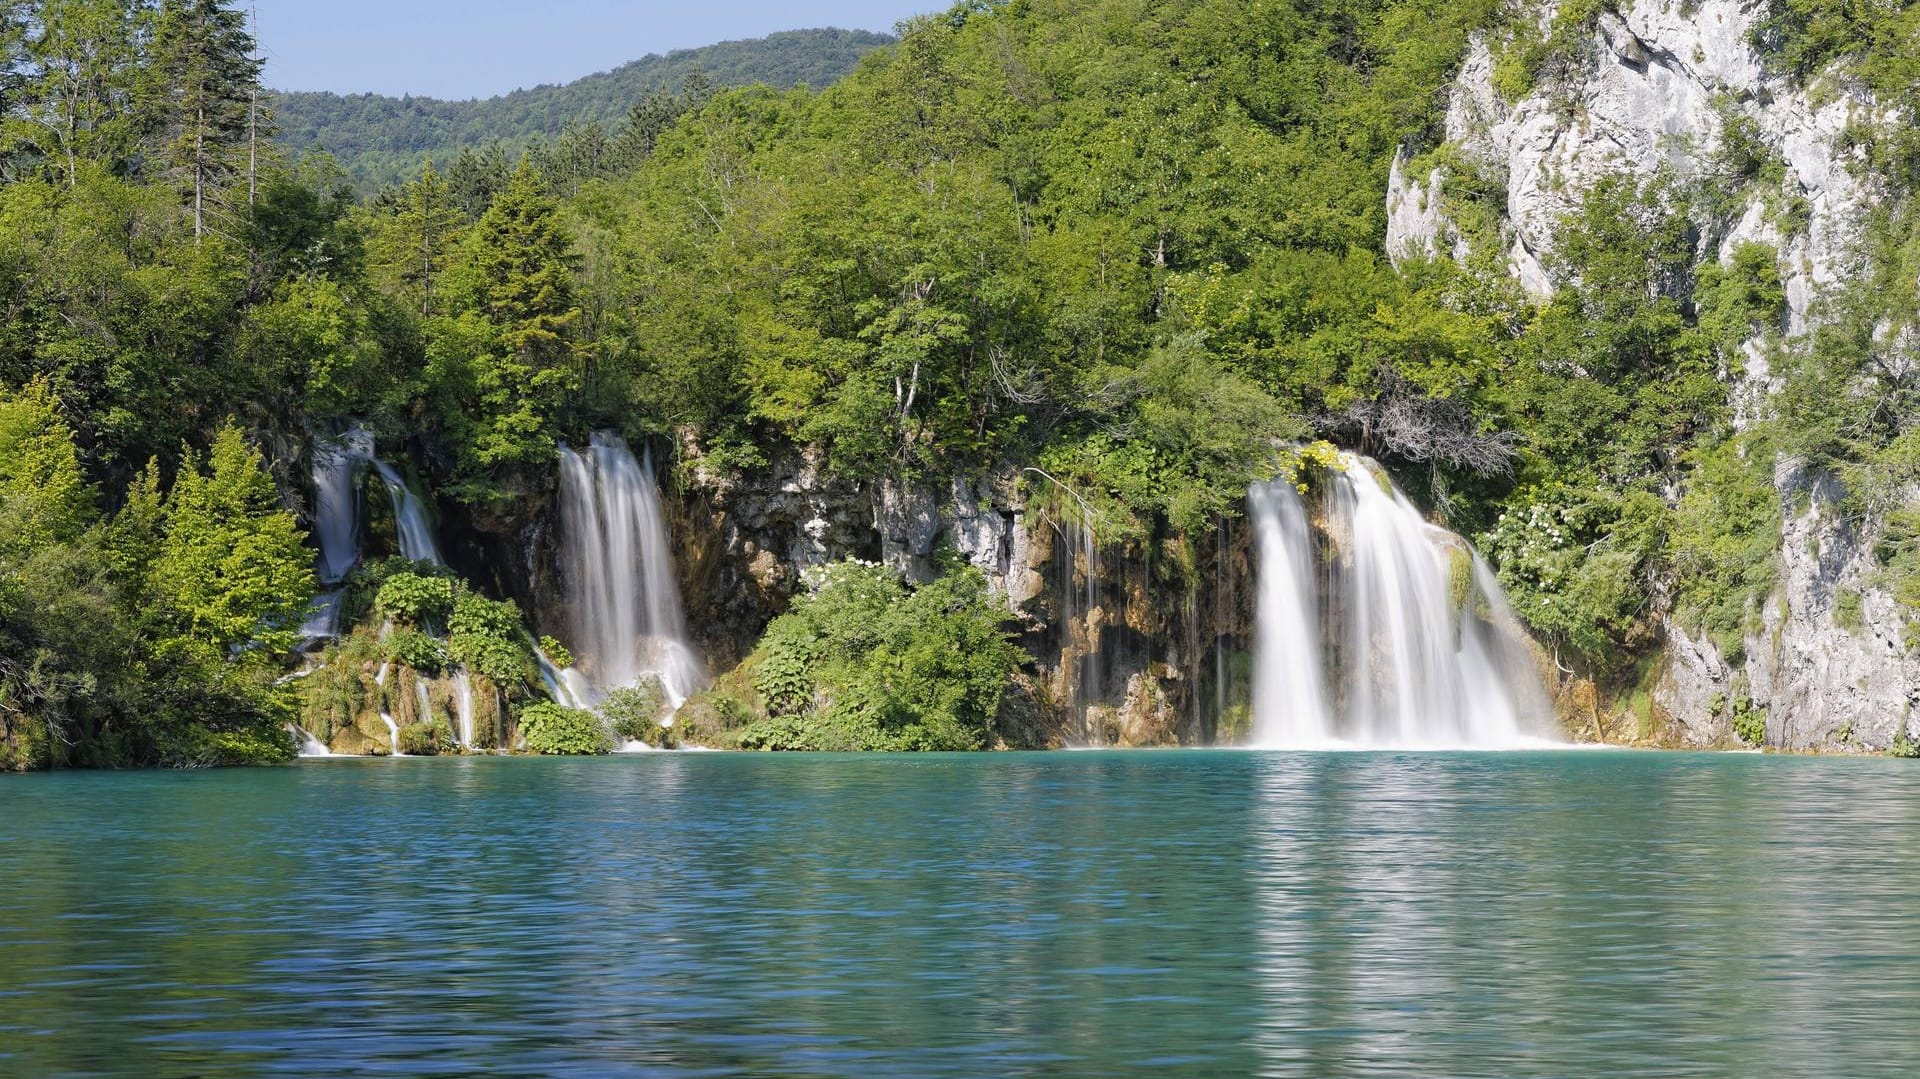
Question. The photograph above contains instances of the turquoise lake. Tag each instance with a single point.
(1069, 914)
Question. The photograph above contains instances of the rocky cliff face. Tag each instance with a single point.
(1660, 88)
(1123, 654)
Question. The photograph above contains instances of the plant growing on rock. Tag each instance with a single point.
(635, 712)
(413, 599)
(864, 663)
(553, 731)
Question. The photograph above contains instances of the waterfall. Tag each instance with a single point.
(463, 706)
(1081, 619)
(1426, 650)
(336, 510)
(393, 729)
(1290, 706)
(309, 745)
(618, 564)
(568, 687)
(410, 518)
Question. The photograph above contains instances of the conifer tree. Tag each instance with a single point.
(519, 284)
(201, 89)
(413, 243)
(232, 565)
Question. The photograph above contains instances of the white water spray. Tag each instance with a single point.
(618, 564)
(463, 706)
(1428, 651)
(1289, 698)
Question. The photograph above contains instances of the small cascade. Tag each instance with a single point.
(393, 729)
(323, 618)
(336, 526)
(1081, 616)
(336, 509)
(411, 520)
(309, 745)
(1290, 704)
(618, 564)
(463, 707)
(1416, 645)
(567, 687)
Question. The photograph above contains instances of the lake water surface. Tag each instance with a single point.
(1068, 914)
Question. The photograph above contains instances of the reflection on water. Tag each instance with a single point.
(1573, 914)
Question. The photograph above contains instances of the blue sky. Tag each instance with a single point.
(478, 48)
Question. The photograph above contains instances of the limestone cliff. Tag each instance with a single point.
(1654, 87)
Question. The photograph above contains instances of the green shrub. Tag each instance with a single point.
(554, 731)
(1904, 745)
(635, 712)
(862, 663)
(418, 650)
(784, 678)
(426, 738)
(557, 652)
(414, 600)
(486, 636)
(1749, 723)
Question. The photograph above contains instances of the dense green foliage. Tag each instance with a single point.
(862, 662)
(1130, 249)
(380, 140)
(148, 635)
(554, 731)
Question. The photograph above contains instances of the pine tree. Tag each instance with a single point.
(519, 291)
(521, 261)
(233, 566)
(44, 497)
(202, 91)
(412, 244)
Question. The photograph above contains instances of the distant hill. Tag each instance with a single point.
(381, 139)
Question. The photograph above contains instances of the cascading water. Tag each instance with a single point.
(336, 511)
(618, 564)
(463, 706)
(410, 518)
(393, 728)
(336, 524)
(1290, 704)
(1428, 653)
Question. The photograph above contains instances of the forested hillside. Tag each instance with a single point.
(1132, 247)
(381, 140)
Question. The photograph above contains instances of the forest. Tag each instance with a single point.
(1137, 245)
(382, 140)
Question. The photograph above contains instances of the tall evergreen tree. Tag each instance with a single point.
(521, 323)
(202, 90)
(412, 244)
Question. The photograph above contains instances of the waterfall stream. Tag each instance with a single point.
(1424, 650)
(615, 555)
(1290, 705)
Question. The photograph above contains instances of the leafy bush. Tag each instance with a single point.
(1749, 723)
(418, 650)
(487, 637)
(1905, 745)
(557, 652)
(862, 663)
(635, 712)
(413, 599)
(554, 731)
(426, 738)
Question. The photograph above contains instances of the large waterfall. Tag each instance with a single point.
(624, 603)
(1404, 640)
